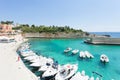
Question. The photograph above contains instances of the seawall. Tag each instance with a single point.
(103, 40)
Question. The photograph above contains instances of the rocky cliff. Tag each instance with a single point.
(55, 35)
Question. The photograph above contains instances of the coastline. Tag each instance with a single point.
(11, 67)
(55, 35)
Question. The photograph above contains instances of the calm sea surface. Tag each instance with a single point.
(54, 48)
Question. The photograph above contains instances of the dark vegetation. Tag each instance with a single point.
(43, 28)
(26, 28)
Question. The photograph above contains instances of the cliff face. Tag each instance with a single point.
(55, 35)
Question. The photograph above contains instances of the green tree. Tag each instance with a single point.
(6, 22)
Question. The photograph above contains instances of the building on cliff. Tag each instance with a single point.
(6, 29)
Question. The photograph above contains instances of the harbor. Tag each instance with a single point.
(60, 40)
(51, 69)
(53, 48)
(89, 62)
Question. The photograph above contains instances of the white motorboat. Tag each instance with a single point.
(32, 57)
(23, 47)
(37, 64)
(104, 58)
(51, 71)
(82, 54)
(25, 51)
(42, 62)
(88, 55)
(45, 67)
(37, 59)
(68, 49)
(48, 65)
(28, 54)
(75, 51)
(78, 76)
(91, 56)
(66, 72)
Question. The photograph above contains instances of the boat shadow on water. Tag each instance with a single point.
(103, 64)
(68, 54)
(84, 59)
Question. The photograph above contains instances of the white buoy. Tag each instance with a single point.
(97, 78)
(92, 78)
(83, 73)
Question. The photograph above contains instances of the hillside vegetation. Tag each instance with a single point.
(49, 29)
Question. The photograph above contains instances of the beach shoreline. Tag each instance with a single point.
(12, 67)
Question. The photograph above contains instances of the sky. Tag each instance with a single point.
(88, 15)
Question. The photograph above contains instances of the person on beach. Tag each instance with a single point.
(18, 59)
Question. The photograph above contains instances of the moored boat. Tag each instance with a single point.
(104, 58)
(88, 54)
(51, 71)
(42, 62)
(26, 54)
(67, 50)
(45, 67)
(85, 54)
(82, 54)
(32, 57)
(66, 72)
(75, 51)
(79, 76)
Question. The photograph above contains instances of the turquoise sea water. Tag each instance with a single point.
(54, 48)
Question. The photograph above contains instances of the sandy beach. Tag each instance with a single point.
(10, 67)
